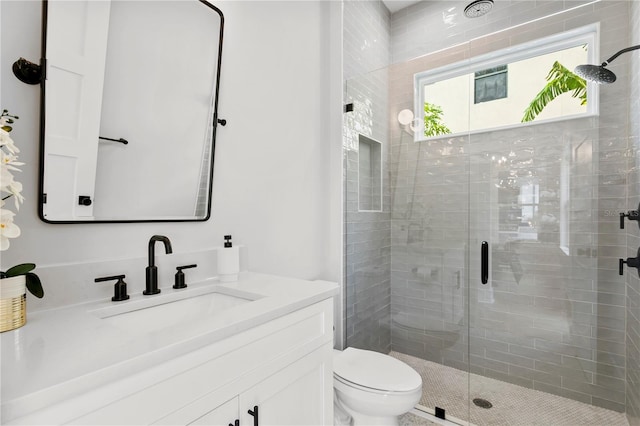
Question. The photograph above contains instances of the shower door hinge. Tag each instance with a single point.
(348, 107)
(440, 413)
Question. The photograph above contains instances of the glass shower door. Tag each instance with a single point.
(406, 257)
(430, 270)
(532, 201)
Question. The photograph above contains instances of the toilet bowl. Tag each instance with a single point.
(373, 388)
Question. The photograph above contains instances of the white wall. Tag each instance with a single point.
(272, 188)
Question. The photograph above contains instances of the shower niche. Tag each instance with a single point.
(369, 174)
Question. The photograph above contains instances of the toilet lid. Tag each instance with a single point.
(375, 370)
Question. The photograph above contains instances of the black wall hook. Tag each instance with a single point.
(27, 71)
(84, 200)
(120, 140)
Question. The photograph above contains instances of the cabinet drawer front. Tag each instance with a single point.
(233, 363)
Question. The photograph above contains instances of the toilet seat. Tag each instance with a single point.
(356, 386)
(374, 372)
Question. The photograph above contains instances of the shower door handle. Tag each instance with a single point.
(484, 262)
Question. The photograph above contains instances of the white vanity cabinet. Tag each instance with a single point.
(282, 366)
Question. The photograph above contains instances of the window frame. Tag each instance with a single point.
(586, 35)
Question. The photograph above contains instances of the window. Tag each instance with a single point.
(490, 84)
(500, 89)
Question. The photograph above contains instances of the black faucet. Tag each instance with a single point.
(152, 269)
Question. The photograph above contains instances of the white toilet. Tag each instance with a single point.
(373, 388)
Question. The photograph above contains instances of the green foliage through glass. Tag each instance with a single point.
(560, 80)
(433, 125)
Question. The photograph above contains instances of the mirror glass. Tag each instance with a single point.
(129, 110)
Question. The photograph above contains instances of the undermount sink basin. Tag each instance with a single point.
(162, 311)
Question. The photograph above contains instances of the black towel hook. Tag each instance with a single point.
(120, 140)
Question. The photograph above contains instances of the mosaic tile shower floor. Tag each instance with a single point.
(447, 387)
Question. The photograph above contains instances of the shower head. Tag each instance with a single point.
(596, 73)
(477, 8)
(599, 73)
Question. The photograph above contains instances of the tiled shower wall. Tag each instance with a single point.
(367, 233)
(430, 26)
(548, 321)
(633, 234)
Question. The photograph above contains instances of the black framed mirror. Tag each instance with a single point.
(129, 110)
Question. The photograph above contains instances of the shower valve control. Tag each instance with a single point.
(633, 262)
(631, 215)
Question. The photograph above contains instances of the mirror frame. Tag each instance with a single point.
(216, 121)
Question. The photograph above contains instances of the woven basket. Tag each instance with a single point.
(13, 303)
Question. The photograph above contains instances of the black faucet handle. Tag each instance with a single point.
(119, 288)
(180, 268)
(180, 281)
(631, 215)
(632, 262)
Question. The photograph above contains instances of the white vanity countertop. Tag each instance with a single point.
(63, 352)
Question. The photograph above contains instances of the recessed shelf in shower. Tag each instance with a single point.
(369, 174)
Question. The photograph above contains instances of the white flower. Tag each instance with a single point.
(15, 189)
(8, 229)
(9, 187)
(7, 183)
(11, 160)
(6, 178)
(7, 142)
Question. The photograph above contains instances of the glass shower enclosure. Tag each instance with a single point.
(482, 244)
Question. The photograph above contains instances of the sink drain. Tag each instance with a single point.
(482, 403)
